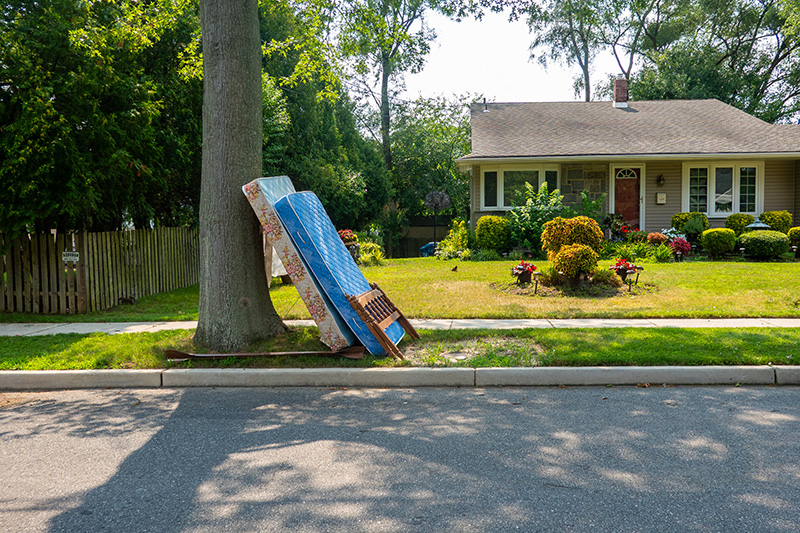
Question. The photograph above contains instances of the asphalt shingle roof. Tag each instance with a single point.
(549, 129)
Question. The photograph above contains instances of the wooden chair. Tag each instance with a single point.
(378, 312)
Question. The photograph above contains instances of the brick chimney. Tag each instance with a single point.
(620, 91)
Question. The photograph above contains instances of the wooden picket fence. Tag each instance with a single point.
(80, 272)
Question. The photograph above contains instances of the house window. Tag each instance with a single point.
(502, 189)
(719, 189)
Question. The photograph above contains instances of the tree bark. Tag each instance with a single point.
(235, 309)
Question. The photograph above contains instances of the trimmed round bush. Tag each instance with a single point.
(777, 220)
(718, 242)
(561, 232)
(679, 220)
(794, 236)
(738, 221)
(493, 233)
(573, 259)
(764, 244)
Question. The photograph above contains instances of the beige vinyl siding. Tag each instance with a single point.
(779, 178)
(796, 212)
(658, 217)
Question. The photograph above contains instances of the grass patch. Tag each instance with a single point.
(428, 288)
(455, 348)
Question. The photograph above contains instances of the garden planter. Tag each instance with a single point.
(524, 277)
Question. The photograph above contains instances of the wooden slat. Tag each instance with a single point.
(52, 274)
(61, 244)
(18, 288)
(102, 270)
(3, 274)
(81, 281)
(36, 288)
(89, 269)
(44, 272)
(72, 304)
(26, 273)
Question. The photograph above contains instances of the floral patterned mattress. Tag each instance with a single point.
(262, 194)
(314, 236)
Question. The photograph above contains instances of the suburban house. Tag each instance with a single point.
(651, 158)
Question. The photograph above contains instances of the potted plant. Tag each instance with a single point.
(623, 267)
(523, 272)
(350, 240)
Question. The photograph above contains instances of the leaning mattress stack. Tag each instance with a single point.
(316, 259)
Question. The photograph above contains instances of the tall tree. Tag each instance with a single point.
(235, 308)
(385, 39)
(569, 31)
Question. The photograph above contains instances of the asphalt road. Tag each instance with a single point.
(313, 460)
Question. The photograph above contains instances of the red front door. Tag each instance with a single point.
(627, 193)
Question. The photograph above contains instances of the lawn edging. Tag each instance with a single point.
(27, 380)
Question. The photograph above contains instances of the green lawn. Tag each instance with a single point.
(428, 288)
(531, 347)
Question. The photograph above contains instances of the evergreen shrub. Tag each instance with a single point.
(679, 220)
(764, 244)
(561, 232)
(738, 221)
(777, 220)
(718, 242)
(493, 233)
(794, 236)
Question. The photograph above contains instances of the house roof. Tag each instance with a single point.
(645, 128)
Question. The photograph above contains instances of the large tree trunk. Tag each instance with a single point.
(235, 308)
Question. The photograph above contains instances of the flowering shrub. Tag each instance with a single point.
(679, 244)
(348, 237)
(523, 267)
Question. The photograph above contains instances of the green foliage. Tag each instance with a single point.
(485, 255)
(764, 244)
(794, 236)
(457, 240)
(738, 221)
(428, 135)
(660, 254)
(777, 220)
(527, 220)
(492, 233)
(679, 221)
(97, 125)
(574, 259)
(370, 254)
(636, 236)
(693, 226)
(632, 251)
(392, 223)
(578, 230)
(718, 242)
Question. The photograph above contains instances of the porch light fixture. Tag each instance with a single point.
(660, 180)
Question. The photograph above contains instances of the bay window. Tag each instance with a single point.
(501, 188)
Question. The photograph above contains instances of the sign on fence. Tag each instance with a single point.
(70, 256)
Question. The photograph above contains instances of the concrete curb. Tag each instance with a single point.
(674, 375)
(17, 380)
(787, 375)
(320, 377)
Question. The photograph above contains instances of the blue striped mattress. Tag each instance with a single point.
(330, 263)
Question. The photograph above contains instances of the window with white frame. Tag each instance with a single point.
(722, 188)
(500, 188)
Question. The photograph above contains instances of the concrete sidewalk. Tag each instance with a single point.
(32, 329)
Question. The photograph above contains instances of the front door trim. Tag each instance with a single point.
(612, 173)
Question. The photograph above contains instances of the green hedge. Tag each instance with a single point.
(679, 220)
(738, 221)
(493, 233)
(777, 220)
(794, 236)
(718, 242)
(764, 244)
